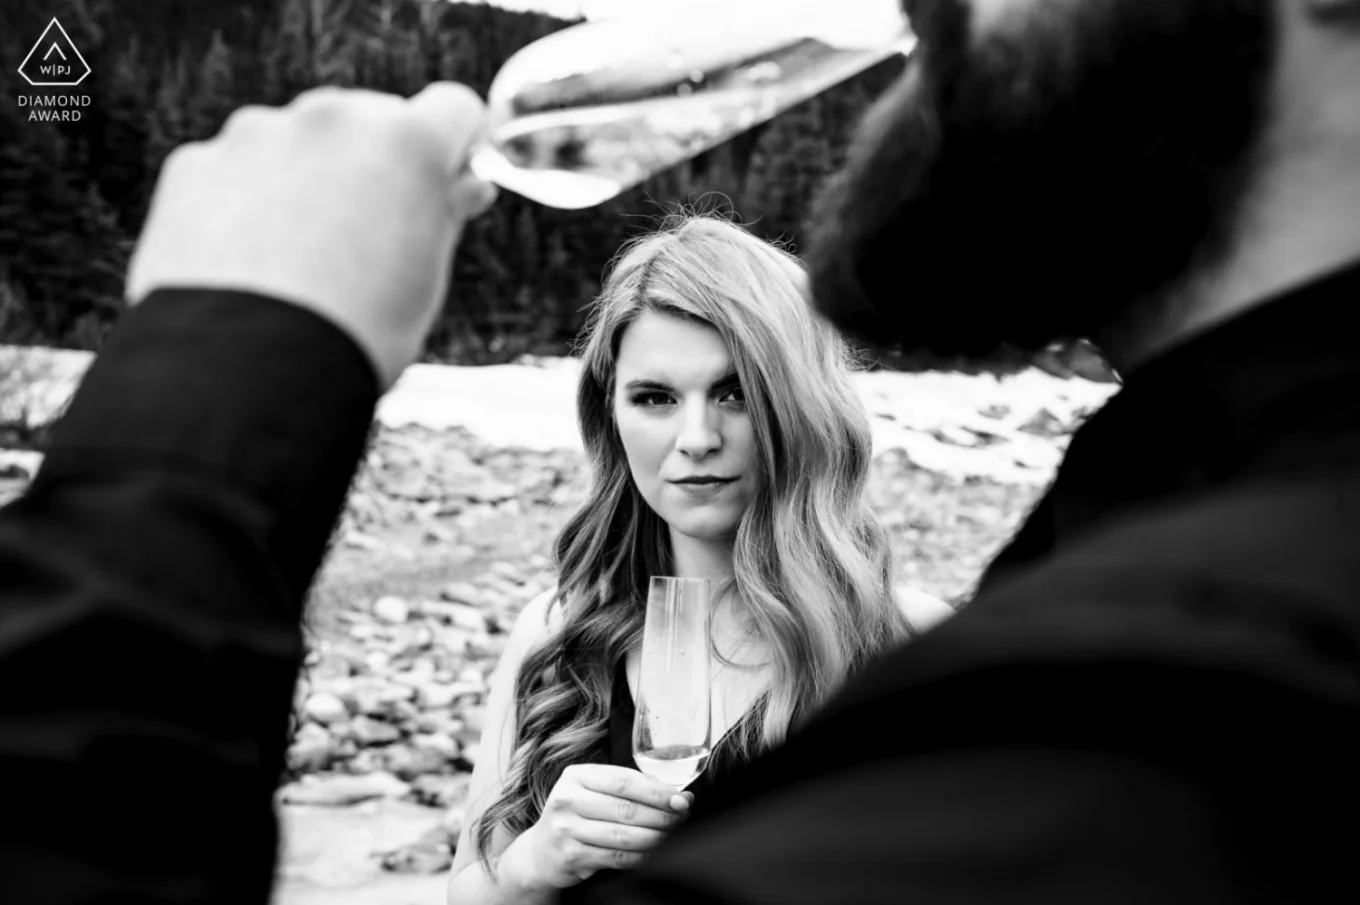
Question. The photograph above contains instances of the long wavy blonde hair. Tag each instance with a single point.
(812, 565)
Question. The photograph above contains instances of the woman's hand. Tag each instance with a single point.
(598, 816)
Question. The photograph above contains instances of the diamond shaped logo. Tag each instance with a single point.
(54, 61)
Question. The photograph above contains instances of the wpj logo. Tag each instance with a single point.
(54, 62)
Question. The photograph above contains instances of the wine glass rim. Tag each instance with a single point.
(703, 585)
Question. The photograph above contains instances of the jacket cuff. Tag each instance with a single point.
(243, 389)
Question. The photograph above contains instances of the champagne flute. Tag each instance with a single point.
(583, 114)
(671, 726)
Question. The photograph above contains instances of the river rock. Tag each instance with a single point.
(409, 762)
(466, 616)
(313, 750)
(439, 722)
(1044, 423)
(463, 592)
(419, 858)
(370, 732)
(443, 745)
(508, 571)
(392, 610)
(340, 791)
(434, 695)
(326, 708)
(442, 791)
(331, 666)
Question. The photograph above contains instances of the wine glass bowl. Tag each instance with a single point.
(585, 113)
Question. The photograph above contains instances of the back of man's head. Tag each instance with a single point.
(1124, 170)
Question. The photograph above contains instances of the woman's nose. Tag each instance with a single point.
(699, 434)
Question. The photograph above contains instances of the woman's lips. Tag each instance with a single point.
(705, 488)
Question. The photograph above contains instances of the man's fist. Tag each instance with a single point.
(347, 202)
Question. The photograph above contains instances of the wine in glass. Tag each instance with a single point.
(671, 721)
(586, 112)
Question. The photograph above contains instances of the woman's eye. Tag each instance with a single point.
(651, 400)
(736, 394)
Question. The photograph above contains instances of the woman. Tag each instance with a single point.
(727, 442)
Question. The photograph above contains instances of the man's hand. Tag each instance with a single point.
(347, 202)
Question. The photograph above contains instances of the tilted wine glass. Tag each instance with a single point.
(585, 113)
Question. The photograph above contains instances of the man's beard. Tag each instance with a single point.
(1036, 183)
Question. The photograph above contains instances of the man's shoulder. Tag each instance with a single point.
(1258, 583)
(1179, 631)
(1249, 553)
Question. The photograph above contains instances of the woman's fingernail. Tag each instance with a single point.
(680, 802)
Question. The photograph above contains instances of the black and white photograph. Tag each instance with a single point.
(671, 452)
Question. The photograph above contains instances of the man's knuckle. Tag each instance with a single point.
(183, 157)
(246, 120)
(369, 116)
(320, 101)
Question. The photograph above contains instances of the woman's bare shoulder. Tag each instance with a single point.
(538, 620)
(923, 611)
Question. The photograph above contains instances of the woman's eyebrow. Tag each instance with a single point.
(726, 381)
(645, 383)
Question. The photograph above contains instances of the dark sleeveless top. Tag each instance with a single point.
(620, 743)
(618, 747)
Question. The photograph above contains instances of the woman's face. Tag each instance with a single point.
(682, 417)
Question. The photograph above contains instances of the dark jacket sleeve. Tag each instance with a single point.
(151, 583)
(980, 827)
